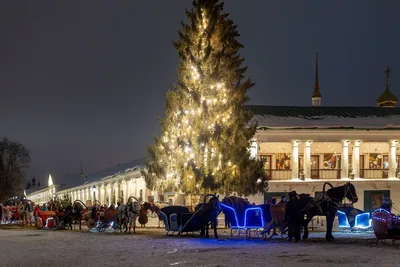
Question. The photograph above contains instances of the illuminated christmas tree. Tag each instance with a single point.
(206, 130)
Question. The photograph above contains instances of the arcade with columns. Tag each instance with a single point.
(327, 160)
(107, 190)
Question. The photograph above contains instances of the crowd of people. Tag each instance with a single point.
(17, 213)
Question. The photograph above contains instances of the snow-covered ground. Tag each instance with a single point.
(150, 247)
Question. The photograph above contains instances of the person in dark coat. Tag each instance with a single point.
(294, 216)
(387, 204)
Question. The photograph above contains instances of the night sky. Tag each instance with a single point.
(86, 80)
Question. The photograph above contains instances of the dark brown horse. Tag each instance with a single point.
(208, 213)
(143, 218)
(326, 205)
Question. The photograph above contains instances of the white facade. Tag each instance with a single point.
(304, 159)
(107, 190)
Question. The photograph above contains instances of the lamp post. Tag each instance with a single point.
(94, 189)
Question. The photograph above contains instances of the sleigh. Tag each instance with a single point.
(178, 219)
(109, 224)
(353, 219)
(386, 225)
(46, 219)
(254, 221)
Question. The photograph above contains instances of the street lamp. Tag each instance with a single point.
(94, 189)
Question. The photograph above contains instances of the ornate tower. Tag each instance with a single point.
(387, 99)
(316, 96)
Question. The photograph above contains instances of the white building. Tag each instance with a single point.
(307, 146)
(107, 186)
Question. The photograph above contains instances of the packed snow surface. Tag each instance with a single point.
(151, 247)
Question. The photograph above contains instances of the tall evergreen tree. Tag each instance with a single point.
(206, 130)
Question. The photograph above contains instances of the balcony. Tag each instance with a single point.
(279, 174)
(374, 173)
(325, 174)
(329, 174)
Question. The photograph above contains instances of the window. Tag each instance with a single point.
(267, 164)
(314, 166)
(283, 161)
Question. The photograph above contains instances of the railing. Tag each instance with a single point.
(325, 174)
(279, 174)
(374, 173)
(328, 174)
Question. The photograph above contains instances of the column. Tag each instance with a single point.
(295, 160)
(116, 193)
(109, 194)
(130, 188)
(97, 194)
(135, 192)
(392, 158)
(253, 149)
(307, 159)
(102, 193)
(345, 159)
(125, 191)
(156, 196)
(356, 158)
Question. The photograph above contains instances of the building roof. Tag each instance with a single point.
(77, 180)
(325, 117)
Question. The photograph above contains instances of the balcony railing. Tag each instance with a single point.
(374, 173)
(329, 174)
(325, 174)
(279, 174)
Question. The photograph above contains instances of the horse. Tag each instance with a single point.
(326, 205)
(156, 210)
(133, 209)
(123, 217)
(73, 214)
(208, 212)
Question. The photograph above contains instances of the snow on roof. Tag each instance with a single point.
(325, 117)
(108, 173)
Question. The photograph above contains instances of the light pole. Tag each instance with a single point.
(94, 189)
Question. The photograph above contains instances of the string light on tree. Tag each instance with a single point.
(204, 114)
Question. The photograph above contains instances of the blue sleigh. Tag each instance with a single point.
(253, 221)
(353, 219)
(178, 219)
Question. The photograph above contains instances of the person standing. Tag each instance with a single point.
(29, 213)
(294, 216)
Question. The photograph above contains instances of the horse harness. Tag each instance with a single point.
(325, 198)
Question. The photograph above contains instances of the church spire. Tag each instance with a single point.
(387, 99)
(316, 96)
(81, 169)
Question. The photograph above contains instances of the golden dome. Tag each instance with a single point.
(387, 99)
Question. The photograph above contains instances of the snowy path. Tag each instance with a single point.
(150, 247)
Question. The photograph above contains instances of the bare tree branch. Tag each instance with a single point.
(14, 157)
